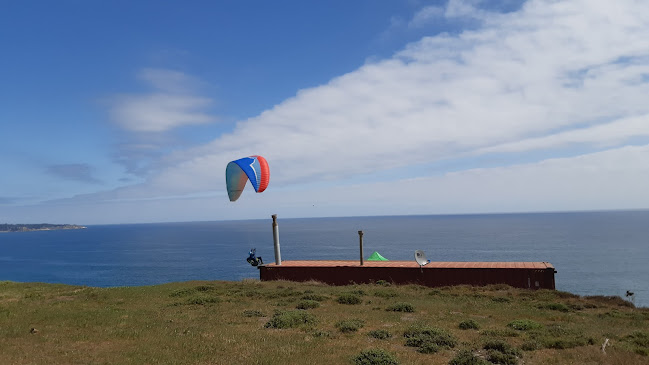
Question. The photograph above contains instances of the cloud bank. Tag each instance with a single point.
(562, 82)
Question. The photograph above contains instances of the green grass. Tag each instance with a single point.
(253, 322)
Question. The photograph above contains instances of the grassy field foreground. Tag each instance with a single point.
(253, 322)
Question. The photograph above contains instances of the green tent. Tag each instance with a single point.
(377, 257)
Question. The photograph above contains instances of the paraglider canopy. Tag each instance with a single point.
(238, 172)
(377, 257)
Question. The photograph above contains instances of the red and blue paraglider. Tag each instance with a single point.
(238, 172)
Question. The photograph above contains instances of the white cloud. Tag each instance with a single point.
(552, 74)
(604, 180)
(600, 135)
(425, 16)
(172, 104)
(552, 66)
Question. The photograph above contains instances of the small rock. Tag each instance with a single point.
(33, 331)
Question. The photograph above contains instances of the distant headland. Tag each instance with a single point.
(36, 227)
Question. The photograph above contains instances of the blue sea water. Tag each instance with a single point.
(595, 253)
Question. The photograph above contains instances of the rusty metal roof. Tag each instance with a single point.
(431, 265)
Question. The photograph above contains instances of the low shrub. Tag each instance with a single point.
(530, 345)
(380, 334)
(375, 357)
(469, 325)
(386, 294)
(501, 352)
(639, 341)
(202, 300)
(204, 288)
(181, 292)
(524, 324)
(316, 297)
(383, 283)
(555, 307)
(349, 325)
(610, 300)
(348, 298)
(418, 336)
(467, 357)
(501, 346)
(307, 304)
(496, 357)
(291, 319)
(428, 348)
(401, 307)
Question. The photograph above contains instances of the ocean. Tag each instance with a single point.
(594, 253)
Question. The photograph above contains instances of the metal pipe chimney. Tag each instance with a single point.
(278, 255)
(360, 239)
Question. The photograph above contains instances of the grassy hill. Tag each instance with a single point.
(253, 322)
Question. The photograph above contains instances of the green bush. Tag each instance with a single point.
(639, 341)
(375, 357)
(501, 346)
(349, 298)
(204, 288)
(291, 319)
(349, 325)
(401, 307)
(496, 357)
(466, 357)
(565, 343)
(500, 352)
(469, 325)
(418, 336)
(555, 307)
(524, 324)
(181, 292)
(316, 297)
(202, 300)
(383, 283)
(386, 294)
(530, 345)
(609, 300)
(428, 348)
(307, 304)
(380, 334)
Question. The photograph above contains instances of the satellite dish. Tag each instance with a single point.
(420, 257)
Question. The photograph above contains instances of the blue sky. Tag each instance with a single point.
(116, 112)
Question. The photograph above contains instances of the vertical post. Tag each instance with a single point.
(360, 239)
(278, 256)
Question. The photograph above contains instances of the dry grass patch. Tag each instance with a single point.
(213, 322)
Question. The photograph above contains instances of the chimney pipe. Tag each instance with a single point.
(360, 239)
(278, 256)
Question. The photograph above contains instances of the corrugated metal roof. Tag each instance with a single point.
(431, 265)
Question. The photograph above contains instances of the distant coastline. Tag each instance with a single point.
(37, 227)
